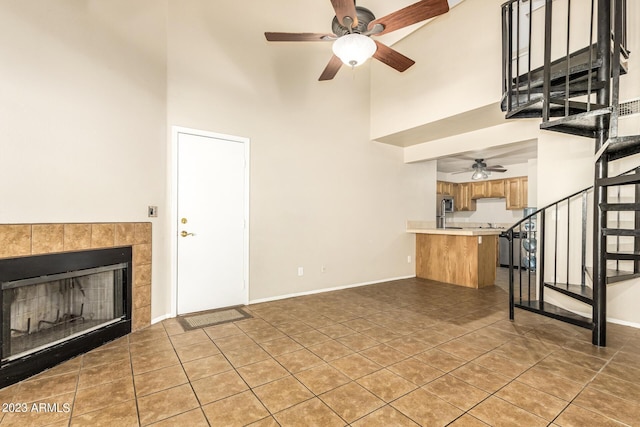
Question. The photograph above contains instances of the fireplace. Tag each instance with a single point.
(57, 306)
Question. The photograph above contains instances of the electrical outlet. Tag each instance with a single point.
(300, 271)
(153, 211)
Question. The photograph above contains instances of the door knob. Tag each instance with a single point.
(185, 234)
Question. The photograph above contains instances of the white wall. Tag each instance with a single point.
(322, 194)
(83, 114)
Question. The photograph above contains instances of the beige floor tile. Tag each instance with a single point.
(197, 351)
(457, 392)
(206, 367)
(192, 418)
(426, 408)
(575, 416)
(555, 385)
(154, 361)
(233, 342)
(481, 377)
(358, 341)
(609, 406)
(336, 331)
(309, 338)
(440, 360)
(497, 412)
(330, 350)
(498, 364)
(461, 349)
(218, 386)
(221, 331)
(100, 374)
(312, 412)
(383, 355)
(467, 421)
(322, 378)
(351, 401)
(123, 414)
(58, 411)
(386, 385)
(167, 403)
(299, 360)
(140, 348)
(415, 371)
(282, 394)
(535, 401)
(385, 417)
(101, 396)
(265, 422)
(246, 355)
(280, 346)
(294, 328)
(355, 366)
(262, 372)
(106, 356)
(189, 338)
(238, 410)
(567, 370)
(617, 387)
(162, 379)
(38, 389)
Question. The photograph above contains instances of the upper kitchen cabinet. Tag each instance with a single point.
(445, 188)
(495, 188)
(516, 192)
(462, 198)
(478, 189)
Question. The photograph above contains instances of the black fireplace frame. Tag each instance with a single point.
(12, 371)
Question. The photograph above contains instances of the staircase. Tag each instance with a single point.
(573, 86)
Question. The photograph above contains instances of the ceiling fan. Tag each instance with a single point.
(353, 27)
(481, 170)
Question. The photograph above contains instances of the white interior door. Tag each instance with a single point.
(211, 249)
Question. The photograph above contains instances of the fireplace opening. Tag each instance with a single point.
(57, 306)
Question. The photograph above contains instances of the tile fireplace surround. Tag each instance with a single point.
(17, 240)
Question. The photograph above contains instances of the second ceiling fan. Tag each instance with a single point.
(353, 27)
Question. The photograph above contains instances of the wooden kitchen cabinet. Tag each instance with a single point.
(463, 201)
(445, 188)
(516, 192)
(495, 188)
(478, 189)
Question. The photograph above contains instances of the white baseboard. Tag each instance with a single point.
(161, 318)
(609, 319)
(320, 291)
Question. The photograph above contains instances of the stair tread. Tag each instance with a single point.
(615, 276)
(620, 232)
(633, 178)
(559, 68)
(623, 146)
(623, 255)
(612, 207)
(579, 292)
(555, 312)
(582, 124)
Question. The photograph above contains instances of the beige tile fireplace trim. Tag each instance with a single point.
(35, 239)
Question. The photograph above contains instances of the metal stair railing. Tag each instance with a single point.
(545, 225)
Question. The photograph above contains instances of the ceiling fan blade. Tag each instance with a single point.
(412, 14)
(331, 69)
(464, 171)
(392, 58)
(299, 37)
(495, 169)
(345, 8)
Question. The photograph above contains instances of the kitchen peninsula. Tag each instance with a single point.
(464, 257)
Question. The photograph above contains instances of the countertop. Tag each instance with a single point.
(458, 231)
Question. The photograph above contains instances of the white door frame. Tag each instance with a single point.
(173, 216)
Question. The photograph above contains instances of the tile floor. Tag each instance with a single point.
(403, 353)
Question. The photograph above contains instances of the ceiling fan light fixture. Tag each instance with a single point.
(354, 49)
(479, 174)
